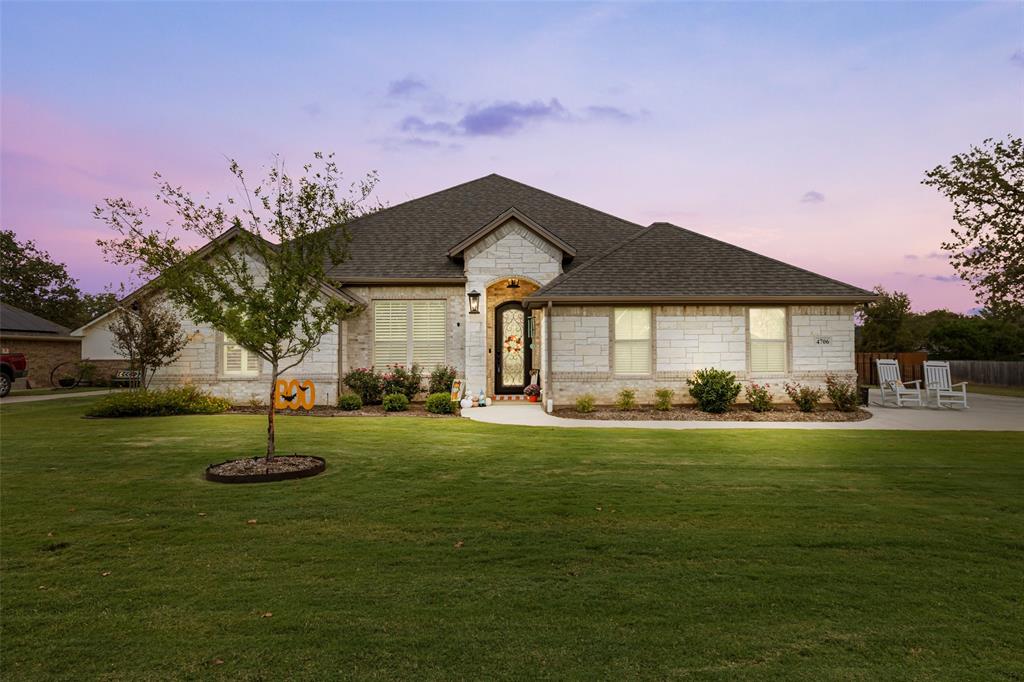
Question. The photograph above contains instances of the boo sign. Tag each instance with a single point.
(293, 394)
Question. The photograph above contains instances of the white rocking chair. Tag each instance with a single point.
(937, 379)
(889, 381)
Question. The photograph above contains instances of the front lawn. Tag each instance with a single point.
(453, 549)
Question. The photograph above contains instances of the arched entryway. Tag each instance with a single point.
(512, 338)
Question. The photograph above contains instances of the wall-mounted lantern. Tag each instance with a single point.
(474, 302)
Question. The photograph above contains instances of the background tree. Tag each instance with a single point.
(986, 186)
(150, 336)
(884, 323)
(262, 278)
(31, 280)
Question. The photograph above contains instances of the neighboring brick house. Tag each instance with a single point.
(44, 343)
(508, 283)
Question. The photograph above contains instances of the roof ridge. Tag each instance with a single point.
(561, 198)
(568, 275)
(761, 255)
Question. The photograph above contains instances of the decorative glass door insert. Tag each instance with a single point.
(513, 347)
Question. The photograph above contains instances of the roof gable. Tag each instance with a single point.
(16, 320)
(525, 220)
(411, 241)
(667, 262)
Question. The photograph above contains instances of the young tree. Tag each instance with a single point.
(150, 336)
(884, 323)
(986, 186)
(263, 277)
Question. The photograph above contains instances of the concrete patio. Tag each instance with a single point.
(986, 413)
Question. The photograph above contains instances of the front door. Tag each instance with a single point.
(512, 355)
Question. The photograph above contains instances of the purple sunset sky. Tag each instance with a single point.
(801, 131)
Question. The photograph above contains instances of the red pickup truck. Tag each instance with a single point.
(12, 366)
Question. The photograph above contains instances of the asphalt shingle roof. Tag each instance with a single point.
(664, 260)
(18, 321)
(412, 239)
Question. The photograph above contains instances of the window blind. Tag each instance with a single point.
(632, 354)
(767, 339)
(237, 360)
(407, 332)
(390, 333)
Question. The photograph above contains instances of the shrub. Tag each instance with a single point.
(760, 397)
(162, 403)
(365, 383)
(805, 397)
(585, 403)
(626, 399)
(350, 402)
(441, 380)
(663, 399)
(842, 393)
(440, 402)
(398, 379)
(715, 390)
(396, 402)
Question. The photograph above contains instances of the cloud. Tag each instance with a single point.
(910, 256)
(415, 124)
(934, 255)
(312, 109)
(944, 278)
(1017, 58)
(505, 118)
(406, 86)
(610, 114)
(812, 197)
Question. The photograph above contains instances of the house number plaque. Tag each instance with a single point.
(823, 340)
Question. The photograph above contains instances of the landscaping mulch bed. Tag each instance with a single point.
(415, 410)
(263, 470)
(739, 413)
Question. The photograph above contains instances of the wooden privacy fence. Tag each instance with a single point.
(911, 366)
(1003, 373)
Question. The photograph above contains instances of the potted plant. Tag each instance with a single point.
(532, 392)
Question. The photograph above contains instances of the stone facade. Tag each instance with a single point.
(512, 250)
(688, 338)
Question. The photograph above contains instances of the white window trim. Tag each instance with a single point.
(786, 361)
(650, 342)
(410, 331)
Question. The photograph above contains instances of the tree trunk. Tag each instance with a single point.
(270, 413)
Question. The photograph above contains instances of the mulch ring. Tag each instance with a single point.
(415, 410)
(738, 413)
(262, 470)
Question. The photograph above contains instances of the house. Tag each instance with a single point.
(510, 284)
(45, 344)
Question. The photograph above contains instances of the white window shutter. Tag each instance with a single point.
(428, 333)
(390, 333)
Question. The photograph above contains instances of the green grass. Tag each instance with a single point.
(1013, 391)
(587, 554)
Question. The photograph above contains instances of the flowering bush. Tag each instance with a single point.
(365, 383)
(842, 393)
(531, 390)
(760, 397)
(805, 397)
(398, 379)
(441, 379)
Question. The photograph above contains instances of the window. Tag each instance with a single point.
(632, 340)
(767, 339)
(238, 361)
(407, 332)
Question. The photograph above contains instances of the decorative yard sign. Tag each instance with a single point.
(456, 389)
(294, 394)
(823, 340)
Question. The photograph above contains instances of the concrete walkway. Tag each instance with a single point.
(11, 399)
(986, 413)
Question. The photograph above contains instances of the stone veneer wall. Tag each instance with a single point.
(512, 250)
(688, 338)
(201, 364)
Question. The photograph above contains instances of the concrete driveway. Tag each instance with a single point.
(986, 413)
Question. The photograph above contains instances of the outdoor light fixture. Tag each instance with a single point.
(513, 283)
(474, 302)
